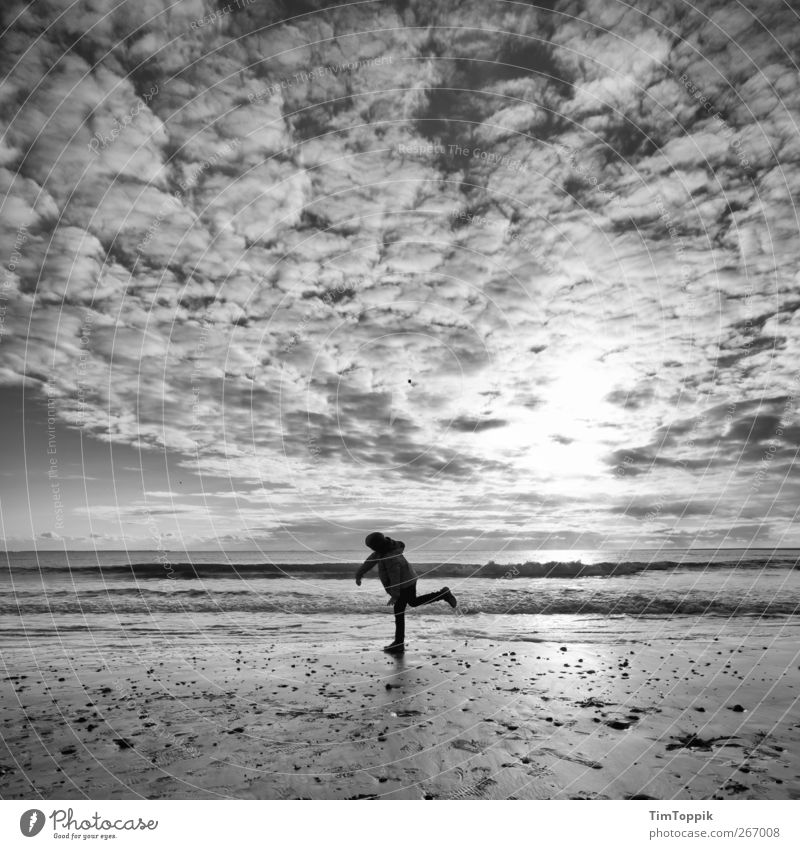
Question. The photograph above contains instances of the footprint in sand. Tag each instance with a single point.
(468, 746)
(476, 790)
(534, 769)
(570, 757)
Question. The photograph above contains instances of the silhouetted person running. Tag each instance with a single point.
(400, 581)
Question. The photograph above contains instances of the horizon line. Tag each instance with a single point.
(301, 550)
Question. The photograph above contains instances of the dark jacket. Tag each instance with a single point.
(394, 570)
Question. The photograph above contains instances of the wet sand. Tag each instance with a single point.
(295, 716)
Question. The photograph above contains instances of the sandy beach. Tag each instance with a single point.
(299, 714)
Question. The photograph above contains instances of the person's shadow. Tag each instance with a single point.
(396, 684)
(399, 662)
(394, 679)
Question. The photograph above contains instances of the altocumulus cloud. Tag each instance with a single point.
(364, 258)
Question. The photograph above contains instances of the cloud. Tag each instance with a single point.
(223, 248)
(674, 508)
(474, 425)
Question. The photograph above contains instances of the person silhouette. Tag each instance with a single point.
(400, 581)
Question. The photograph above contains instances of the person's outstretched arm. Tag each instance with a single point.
(368, 564)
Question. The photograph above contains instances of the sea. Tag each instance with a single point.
(590, 595)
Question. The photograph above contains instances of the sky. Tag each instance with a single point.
(475, 273)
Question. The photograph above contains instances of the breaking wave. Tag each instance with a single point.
(506, 601)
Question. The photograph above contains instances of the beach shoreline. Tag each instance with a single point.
(298, 713)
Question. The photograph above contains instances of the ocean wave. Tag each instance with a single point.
(630, 605)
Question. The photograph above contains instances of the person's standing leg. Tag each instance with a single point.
(400, 619)
(408, 596)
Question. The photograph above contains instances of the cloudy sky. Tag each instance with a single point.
(476, 272)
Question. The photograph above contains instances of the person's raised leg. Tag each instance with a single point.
(443, 594)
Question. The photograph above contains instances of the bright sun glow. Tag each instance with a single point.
(579, 388)
(564, 436)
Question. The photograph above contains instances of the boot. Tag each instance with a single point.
(449, 597)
